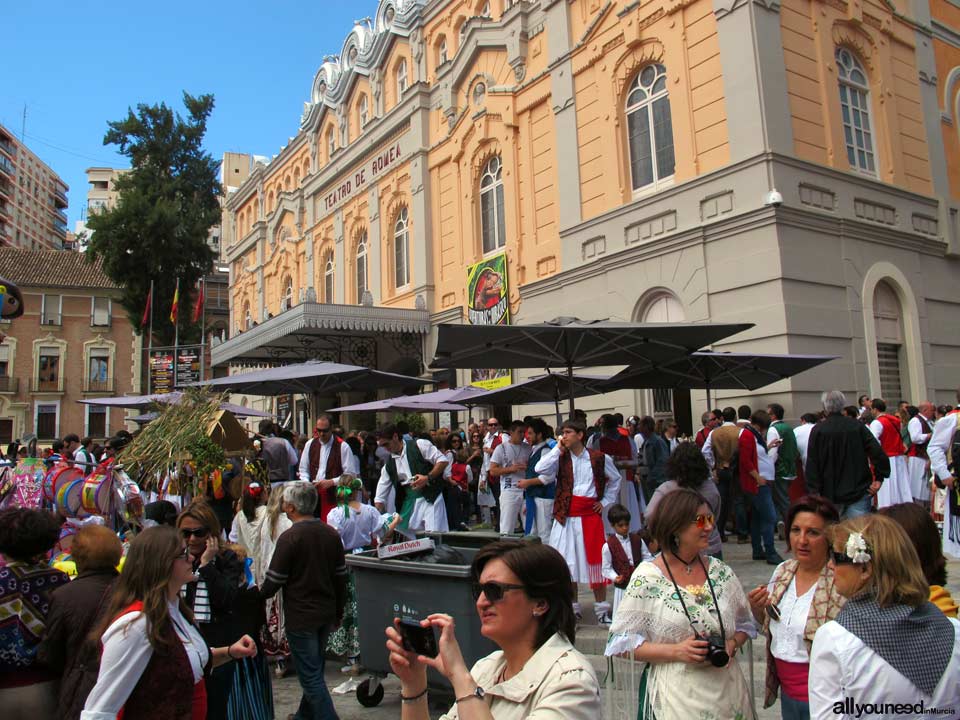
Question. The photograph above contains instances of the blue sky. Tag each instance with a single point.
(77, 65)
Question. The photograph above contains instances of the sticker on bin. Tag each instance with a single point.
(385, 552)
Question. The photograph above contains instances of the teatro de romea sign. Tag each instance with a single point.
(354, 182)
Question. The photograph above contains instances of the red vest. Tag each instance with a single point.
(920, 449)
(561, 503)
(458, 473)
(621, 563)
(618, 449)
(165, 690)
(890, 440)
(328, 499)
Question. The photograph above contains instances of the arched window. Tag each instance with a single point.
(361, 266)
(485, 10)
(296, 177)
(286, 301)
(401, 78)
(363, 111)
(663, 307)
(649, 128)
(328, 278)
(270, 202)
(442, 51)
(888, 322)
(855, 111)
(401, 249)
(492, 230)
(331, 143)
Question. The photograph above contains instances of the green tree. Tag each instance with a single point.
(167, 204)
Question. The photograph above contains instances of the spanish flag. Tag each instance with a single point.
(174, 309)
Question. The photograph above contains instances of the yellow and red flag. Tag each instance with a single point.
(175, 308)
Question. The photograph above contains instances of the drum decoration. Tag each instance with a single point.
(95, 495)
(64, 475)
(69, 498)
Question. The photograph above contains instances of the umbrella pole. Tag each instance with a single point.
(709, 405)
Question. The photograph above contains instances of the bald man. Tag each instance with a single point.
(920, 428)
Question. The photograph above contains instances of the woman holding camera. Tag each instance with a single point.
(889, 649)
(525, 602)
(800, 597)
(686, 616)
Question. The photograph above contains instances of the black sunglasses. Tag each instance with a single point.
(200, 532)
(840, 558)
(493, 591)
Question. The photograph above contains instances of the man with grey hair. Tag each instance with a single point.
(308, 564)
(839, 454)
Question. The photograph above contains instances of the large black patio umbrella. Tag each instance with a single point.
(715, 371)
(551, 387)
(310, 377)
(566, 342)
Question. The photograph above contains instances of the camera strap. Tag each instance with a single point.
(713, 595)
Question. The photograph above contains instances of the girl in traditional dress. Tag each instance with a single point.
(685, 615)
(275, 645)
(360, 527)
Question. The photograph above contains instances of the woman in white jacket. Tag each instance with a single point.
(890, 653)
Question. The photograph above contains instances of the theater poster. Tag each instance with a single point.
(488, 304)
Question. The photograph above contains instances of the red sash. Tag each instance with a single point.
(593, 537)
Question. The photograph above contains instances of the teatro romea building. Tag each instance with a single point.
(794, 164)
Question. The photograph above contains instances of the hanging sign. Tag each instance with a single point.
(488, 303)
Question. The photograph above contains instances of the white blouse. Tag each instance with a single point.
(787, 634)
(844, 670)
(357, 528)
(126, 653)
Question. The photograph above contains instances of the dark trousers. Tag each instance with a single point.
(307, 648)
(457, 503)
(219, 685)
(764, 518)
(781, 497)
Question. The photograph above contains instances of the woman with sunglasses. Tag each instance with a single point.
(154, 659)
(686, 616)
(456, 493)
(800, 597)
(889, 648)
(525, 603)
(212, 599)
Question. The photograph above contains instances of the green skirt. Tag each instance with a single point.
(345, 641)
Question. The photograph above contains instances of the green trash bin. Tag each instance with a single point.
(412, 590)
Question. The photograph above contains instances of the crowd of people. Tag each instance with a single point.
(216, 598)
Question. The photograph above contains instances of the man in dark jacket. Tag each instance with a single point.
(839, 454)
(75, 608)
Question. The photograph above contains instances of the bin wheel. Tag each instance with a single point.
(367, 698)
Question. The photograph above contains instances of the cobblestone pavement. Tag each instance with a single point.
(590, 640)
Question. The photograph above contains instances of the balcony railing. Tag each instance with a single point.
(61, 216)
(39, 385)
(8, 148)
(5, 210)
(61, 196)
(60, 229)
(7, 166)
(9, 384)
(99, 385)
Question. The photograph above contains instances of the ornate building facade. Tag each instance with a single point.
(795, 164)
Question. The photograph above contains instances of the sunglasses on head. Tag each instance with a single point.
(840, 558)
(493, 591)
(703, 520)
(200, 532)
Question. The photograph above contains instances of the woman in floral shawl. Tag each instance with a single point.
(669, 619)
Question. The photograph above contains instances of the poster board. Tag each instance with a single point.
(488, 303)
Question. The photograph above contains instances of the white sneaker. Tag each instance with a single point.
(604, 619)
(347, 687)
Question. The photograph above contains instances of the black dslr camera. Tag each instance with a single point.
(717, 654)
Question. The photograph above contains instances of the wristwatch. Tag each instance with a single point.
(478, 693)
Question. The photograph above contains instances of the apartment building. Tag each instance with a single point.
(33, 199)
(74, 341)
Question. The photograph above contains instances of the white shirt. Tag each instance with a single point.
(772, 435)
(787, 633)
(841, 667)
(940, 444)
(802, 433)
(385, 491)
(487, 444)
(126, 653)
(766, 464)
(347, 459)
(915, 428)
(582, 474)
(358, 528)
(607, 557)
(509, 454)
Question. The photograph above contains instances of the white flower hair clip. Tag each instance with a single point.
(857, 549)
